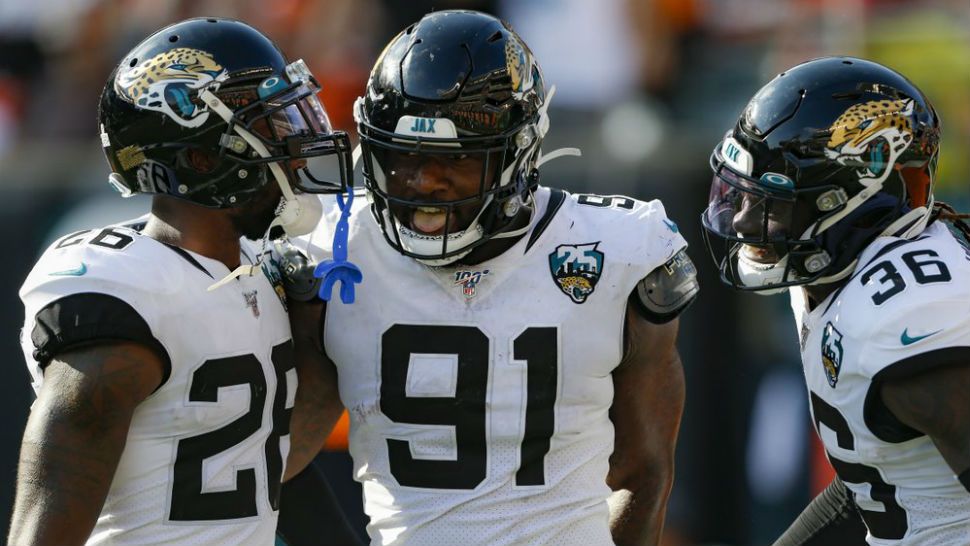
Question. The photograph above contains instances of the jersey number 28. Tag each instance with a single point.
(189, 501)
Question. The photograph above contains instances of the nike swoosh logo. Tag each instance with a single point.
(673, 227)
(906, 340)
(76, 272)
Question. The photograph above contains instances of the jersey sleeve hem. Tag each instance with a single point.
(878, 418)
(89, 317)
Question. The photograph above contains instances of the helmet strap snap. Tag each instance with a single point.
(512, 206)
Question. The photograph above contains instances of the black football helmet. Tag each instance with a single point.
(826, 157)
(456, 84)
(220, 87)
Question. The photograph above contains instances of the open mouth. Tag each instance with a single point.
(759, 254)
(432, 221)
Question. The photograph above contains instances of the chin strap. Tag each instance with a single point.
(512, 233)
(339, 268)
(557, 153)
(296, 213)
(355, 155)
(910, 224)
(542, 127)
(243, 270)
(906, 226)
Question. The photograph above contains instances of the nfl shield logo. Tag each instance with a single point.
(831, 353)
(576, 269)
(468, 280)
(251, 302)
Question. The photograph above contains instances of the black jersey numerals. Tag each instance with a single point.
(888, 524)
(189, 501)
(107, 238)
(606, 201)
(925, 271)
(466, 411)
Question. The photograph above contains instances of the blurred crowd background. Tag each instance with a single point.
(645, 87)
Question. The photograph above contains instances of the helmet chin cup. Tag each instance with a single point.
(299, 214)
(426, 247)
(753, 274)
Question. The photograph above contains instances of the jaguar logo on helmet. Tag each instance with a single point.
(166, 83)
(518, 62)
(872, 135)
(576, 269)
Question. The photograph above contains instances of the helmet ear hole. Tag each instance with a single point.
(918, 183)
(201, 161)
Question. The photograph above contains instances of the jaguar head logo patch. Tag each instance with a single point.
(831, 353)
(576, 269)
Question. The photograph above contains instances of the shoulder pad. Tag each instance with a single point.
(649, 238)
(667, 290)
(97, 284)
(114, 260)
(296, 270)
(911, 299)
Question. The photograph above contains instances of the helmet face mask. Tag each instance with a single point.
(767, 226)
(475, 115)
(220, 89)
(478, 171)
(471, 180)
(827, 157)
(291, 123)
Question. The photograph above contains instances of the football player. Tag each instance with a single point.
(163, 409)
(510, 366)
(825, 188)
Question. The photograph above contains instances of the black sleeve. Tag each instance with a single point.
(310, 514)
(90, 317)
(831, 518)
(880, 421)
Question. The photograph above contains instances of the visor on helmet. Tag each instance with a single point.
(290, 120)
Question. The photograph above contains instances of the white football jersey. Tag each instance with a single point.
(205, 452)
(479, 396)
(908, 301)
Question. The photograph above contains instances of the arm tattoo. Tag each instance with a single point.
(74, 439)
